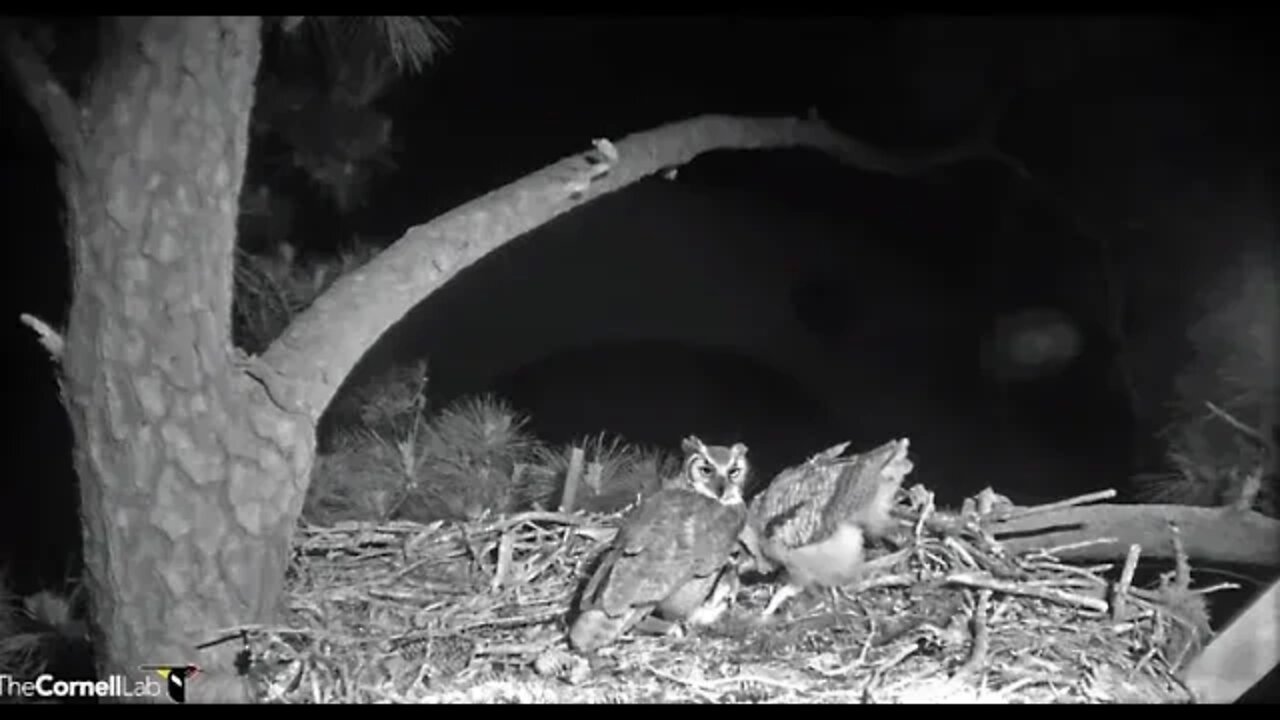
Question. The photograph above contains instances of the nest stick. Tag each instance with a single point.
(981, 635)
(505, 547)
(571, 480)
(1126, 581)
(977, 580)
(1050, 507)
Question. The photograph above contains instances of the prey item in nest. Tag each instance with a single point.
(814, 518)
(672, 552)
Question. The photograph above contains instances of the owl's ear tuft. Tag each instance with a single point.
(692, 445)
(739, 450)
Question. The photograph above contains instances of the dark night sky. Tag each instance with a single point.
(908, 273)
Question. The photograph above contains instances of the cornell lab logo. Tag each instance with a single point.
(176, 677)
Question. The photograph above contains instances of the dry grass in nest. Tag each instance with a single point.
(475, 612)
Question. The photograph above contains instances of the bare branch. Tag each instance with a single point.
(1092, 497)
(50, 339)
(57, 110)
(312, 354)
(871, 158)
(1239, 425)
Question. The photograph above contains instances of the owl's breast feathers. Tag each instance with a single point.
(674, 536)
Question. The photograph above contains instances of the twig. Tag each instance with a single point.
(503, 569)
(535, 567)
(1182, 564)
(926, 513)
(286, 630)
(884, 581)
(1050, 507)
(710, 687)
(1217, 588)
(534, 516)
(1053, 551)
(477, 557)
(1058, 596)
(757, 679)
(893, 661)
(50, 339)
(698, 687)
(1249, 432)
(1087, 574)
(555, 612)
(1126, 582)
(981, 635)
(571, 480)
(1023, 683)
(959, 549)
(513, 649)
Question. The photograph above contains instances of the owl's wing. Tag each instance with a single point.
(865, 486)
(808, 502)
(673, 536)
(789, 513)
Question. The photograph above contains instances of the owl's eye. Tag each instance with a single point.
(735, 472)
(704, 470)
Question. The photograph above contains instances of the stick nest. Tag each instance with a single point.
(476, 612)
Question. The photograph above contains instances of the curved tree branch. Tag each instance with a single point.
(324, 343)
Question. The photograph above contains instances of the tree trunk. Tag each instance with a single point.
(191, 480)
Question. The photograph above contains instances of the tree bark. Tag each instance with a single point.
(191, 479)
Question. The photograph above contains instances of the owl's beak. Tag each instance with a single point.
(731, 494)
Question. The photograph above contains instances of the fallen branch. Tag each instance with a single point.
(1207, 534)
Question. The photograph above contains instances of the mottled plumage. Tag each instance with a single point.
(704, 599)
(813, 519)
(671, 552)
